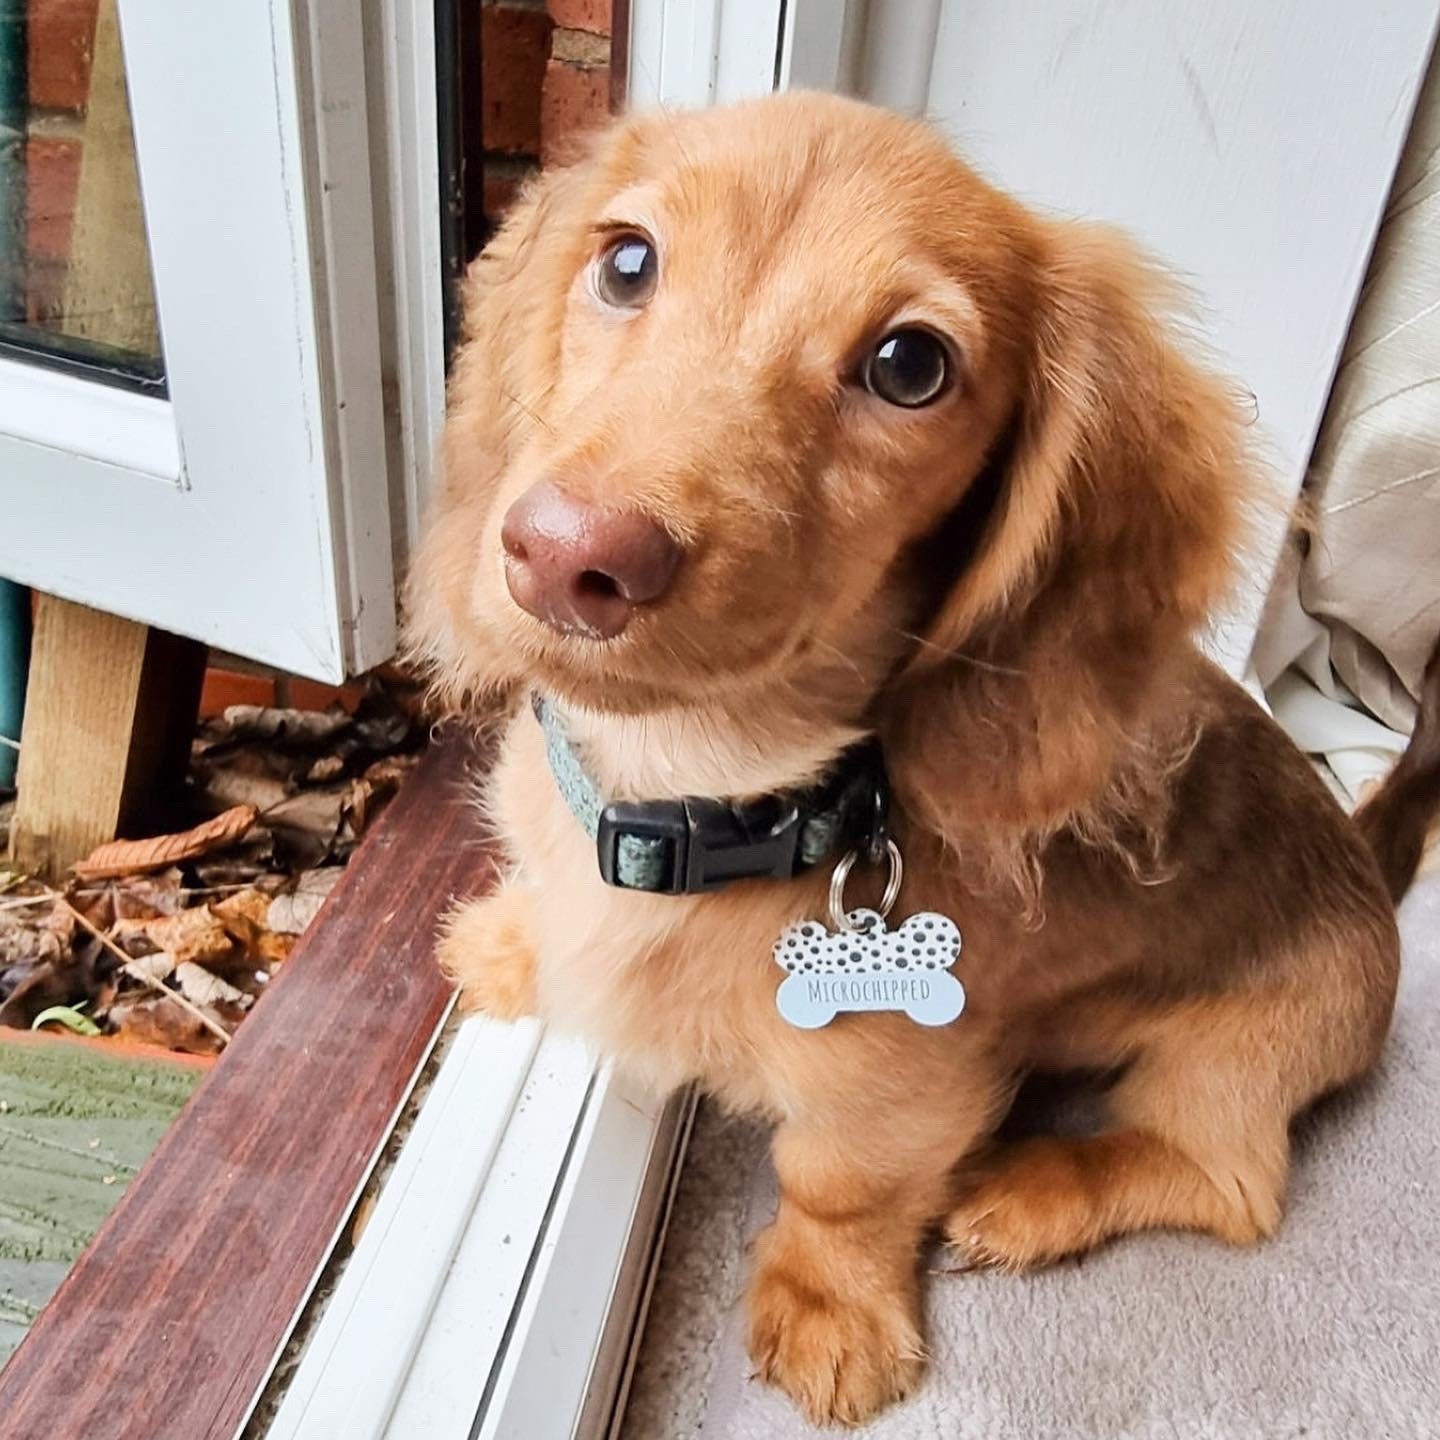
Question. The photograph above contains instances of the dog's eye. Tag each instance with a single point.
(908, 367)
(627, 272)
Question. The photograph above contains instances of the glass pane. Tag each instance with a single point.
(75, 282)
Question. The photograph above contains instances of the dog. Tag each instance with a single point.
(787, 460)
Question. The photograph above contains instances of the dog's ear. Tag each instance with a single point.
(513, 299)
(1111, 535)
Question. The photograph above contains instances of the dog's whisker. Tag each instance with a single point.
(848, 661)
(529, 412)
(951, 653)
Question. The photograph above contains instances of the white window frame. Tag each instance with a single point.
(251, 508)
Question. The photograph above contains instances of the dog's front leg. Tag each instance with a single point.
(488, 949)
(834, 1300)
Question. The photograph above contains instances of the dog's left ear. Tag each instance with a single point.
(1110, 539)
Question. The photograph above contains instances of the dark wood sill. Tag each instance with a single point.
(167, 1326)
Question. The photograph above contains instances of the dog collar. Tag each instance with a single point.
(697, 844)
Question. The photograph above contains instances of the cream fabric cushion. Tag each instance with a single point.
(1372, 570)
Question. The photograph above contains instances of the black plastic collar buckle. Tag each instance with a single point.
(708, 844)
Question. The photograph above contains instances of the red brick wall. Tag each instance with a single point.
(60, 37)
(59, 41)
(545, 77)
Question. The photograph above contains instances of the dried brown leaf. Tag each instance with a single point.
(274, 949)
(369, 793)
(250, 904)
(143, 897)
(382, 726)
(390, 770)
(152, 1019)
(97, 905)
(127, 857)
(157, 965)
(205, 988)
(25, 941)
(326, 768)
(68, 978)
(60, 922)
(249, 863)
(278, 725)
(308, 826)
(235, 785)
(317, 812)
(192, 935)
(133, 936)
(242, 914)
(291, 914)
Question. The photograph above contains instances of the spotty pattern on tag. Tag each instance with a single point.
(869, 968)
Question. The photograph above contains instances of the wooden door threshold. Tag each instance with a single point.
(170, 1321)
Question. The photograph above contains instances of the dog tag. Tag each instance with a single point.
(869, 967)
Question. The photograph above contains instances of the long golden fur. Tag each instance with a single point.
(1149, 877)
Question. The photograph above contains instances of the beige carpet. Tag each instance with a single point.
(1331, 1331)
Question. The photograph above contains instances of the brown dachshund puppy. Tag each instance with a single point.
(775, 428)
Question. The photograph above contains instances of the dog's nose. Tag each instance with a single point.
(580, 567)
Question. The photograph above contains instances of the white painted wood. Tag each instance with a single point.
(333, 103)
(672, 58)
(646, 54)
(345, 1221)
(746, 41)
(607, 1391)
(445, 1316)
(896, 54)
(273, 538)
(813, 51)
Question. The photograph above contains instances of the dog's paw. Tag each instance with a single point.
(1028, 1206)
(841, 1359)
(487, 951)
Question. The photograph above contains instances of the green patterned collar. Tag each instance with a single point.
(693, 845)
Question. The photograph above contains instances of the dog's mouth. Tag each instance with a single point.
(667, 659)
(636, 673)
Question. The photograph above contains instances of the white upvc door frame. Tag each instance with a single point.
(251, 508)
(403, 58)
(492, 1293)
(690, 53)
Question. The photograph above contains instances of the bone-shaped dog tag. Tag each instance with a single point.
(869, 967)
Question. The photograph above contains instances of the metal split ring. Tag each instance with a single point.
(842, 873)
